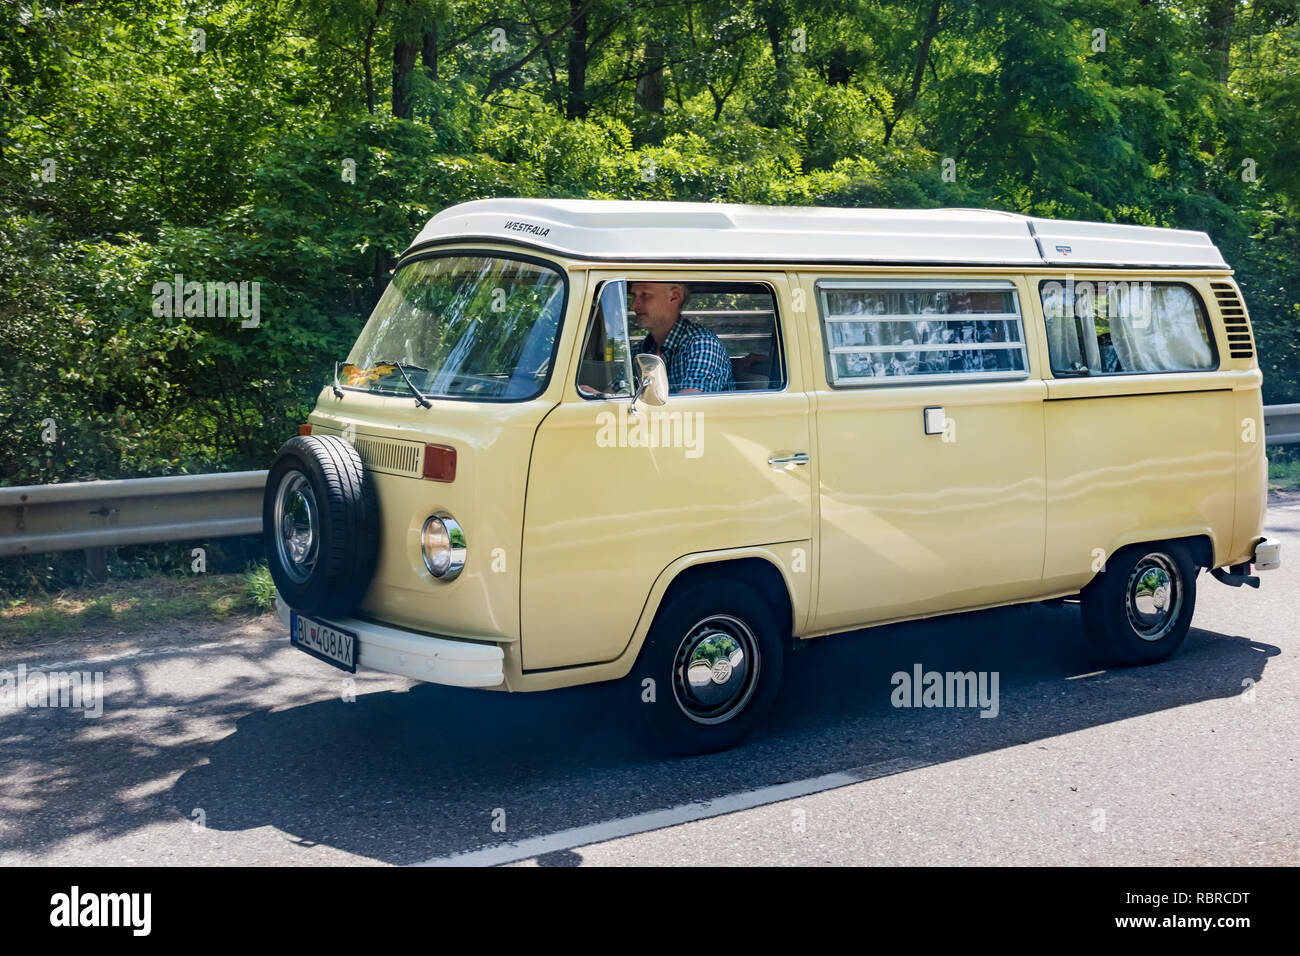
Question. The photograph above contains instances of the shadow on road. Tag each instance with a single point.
(406, 776)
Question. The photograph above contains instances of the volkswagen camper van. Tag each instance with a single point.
(657, 443)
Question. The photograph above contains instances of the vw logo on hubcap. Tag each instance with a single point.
(1154, 596)
(716, 669)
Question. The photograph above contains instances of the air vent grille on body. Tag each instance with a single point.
(400, 458)
(1235, 321)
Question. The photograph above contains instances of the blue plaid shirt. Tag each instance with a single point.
(695, 358)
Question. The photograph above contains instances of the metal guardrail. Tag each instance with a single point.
(1281, 424)
(105, 514)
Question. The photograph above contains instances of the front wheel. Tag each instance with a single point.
(709, 670)
(1138, 611)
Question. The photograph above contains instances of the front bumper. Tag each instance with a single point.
(1267, 555)
(437, 660)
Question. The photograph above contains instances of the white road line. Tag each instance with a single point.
(673, 816)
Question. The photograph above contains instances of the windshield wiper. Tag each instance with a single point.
(402, 367)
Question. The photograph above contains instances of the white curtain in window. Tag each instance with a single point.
(1158, 329)
(1062, 328)
(1063, 342)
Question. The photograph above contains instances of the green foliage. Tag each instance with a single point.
(269, 153)
(259, 589)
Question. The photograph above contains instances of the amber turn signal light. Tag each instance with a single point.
(304, 429)
(439, 463)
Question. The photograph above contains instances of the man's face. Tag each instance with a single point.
(657, 305)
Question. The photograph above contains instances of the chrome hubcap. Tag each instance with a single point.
(716, 669)
(1153, 596)
(296, 520)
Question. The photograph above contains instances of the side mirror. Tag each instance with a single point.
(653, 389)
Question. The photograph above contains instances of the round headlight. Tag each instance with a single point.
(443, 542)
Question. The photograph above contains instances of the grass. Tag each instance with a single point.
(1284, 468)
(125, 606)
(259, 589)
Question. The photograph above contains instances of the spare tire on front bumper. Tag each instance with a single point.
(320, 524)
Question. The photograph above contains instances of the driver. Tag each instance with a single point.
(695, 357)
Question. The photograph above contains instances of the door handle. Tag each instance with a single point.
(800, 458)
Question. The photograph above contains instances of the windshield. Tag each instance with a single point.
(472, 326)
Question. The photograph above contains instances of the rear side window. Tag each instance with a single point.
(895, 331)
(1122, 327)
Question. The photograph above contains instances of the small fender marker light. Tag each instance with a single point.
(304, 429)
(439, 463)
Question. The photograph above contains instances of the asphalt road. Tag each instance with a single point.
(241, 750)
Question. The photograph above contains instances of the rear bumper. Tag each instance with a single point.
(437, 660)
(1267, 555)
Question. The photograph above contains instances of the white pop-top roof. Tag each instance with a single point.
(716, 232)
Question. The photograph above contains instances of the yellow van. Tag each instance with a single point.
(585, 441)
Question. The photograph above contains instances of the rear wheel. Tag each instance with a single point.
(709, 670)
(1138, 611)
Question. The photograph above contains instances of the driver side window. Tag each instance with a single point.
(728, 340)
(604, 370)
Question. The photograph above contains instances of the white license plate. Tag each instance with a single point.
(331, 644)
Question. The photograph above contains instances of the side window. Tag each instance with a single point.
(889, 331)
(713, 336)
(605, 366)
(1113, 327)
